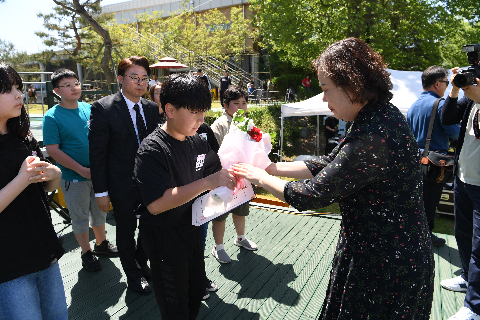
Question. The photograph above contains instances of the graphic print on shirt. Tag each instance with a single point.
(200, 161)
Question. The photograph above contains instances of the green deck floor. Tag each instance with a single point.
(285, 279)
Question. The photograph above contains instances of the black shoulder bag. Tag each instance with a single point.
(436, 167)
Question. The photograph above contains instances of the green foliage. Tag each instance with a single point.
(268, 120)
(288, 80)
(211, 116)
(410, 35)
(73, 28)
(19, 60)
(465, 33)
(185, 35)
(304, 94)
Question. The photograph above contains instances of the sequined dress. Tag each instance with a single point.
(383, 267)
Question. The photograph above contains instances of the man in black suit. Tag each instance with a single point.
(118, 124)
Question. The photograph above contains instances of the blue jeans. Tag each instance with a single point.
(467, 234)
(38, 295)
(203, 231)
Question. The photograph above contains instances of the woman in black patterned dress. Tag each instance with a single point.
(383, 267)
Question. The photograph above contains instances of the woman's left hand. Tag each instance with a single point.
(249, 172)
(46, 171)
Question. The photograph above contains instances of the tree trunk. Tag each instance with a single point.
(107, 41)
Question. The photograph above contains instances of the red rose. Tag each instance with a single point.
(256, 134)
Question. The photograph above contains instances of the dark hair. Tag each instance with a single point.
(199, 70)
(19, 126)
(60, 74)
(152, 90)
(133, 61)
(185, 90)
(234, 93)
(353, 66)
(432, 75)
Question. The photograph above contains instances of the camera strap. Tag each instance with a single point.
(430, 127)
(476, 126)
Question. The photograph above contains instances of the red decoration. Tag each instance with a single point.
(256, 134)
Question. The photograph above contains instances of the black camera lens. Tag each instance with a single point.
(463, 79)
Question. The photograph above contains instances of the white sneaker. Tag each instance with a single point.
(455, 284)
(221, 255)
(465, 314)
(247, 244)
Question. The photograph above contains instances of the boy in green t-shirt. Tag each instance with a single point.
(65, 135)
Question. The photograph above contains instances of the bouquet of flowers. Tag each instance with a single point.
(244, 143)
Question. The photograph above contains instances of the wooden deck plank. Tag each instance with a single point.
(315, 273)
(443, 299)
(246, 271)
(285, 279)
(277, 298)
(276, 270)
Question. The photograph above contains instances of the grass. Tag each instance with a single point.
(444, 224)
(36, 108)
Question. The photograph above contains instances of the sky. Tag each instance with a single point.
(18, 22)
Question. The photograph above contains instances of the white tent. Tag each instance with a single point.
(407, 87)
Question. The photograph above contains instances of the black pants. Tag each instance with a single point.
(178, 269)
(221, 97)
(129, 252)
(432, 192)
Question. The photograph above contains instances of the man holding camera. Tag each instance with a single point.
(434, 83)
(467, 185)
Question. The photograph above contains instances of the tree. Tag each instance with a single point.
(408, 34)
(20, 61)
(78, 17)
(184, 35)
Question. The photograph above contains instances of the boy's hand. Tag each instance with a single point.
(85, 172)
(222, 178)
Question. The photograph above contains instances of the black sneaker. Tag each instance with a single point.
(437, 242)
(90, 262)
(106, 249)
(211, 286)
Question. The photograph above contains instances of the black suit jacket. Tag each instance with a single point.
(113, 144)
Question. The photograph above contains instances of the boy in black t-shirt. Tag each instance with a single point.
(174, 166)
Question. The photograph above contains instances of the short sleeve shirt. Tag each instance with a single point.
(224, 83)
(162, 163)
(221, 126)
(69, 129)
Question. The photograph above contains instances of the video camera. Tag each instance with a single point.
(467, 76)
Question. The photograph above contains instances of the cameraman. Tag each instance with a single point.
(466, 194)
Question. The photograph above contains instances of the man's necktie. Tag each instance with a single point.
(142, 131)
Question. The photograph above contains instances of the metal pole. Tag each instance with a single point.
(317, 149)
(43, 109)
(280, 156)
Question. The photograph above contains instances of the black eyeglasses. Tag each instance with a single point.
(444, 81)
(136, 79)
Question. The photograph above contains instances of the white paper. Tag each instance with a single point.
(207, 208)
